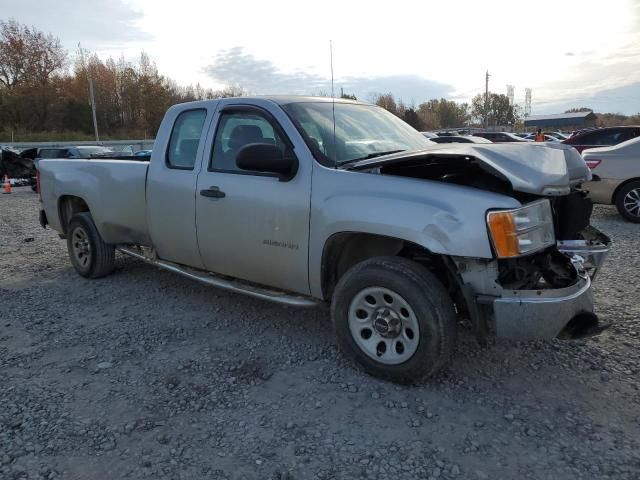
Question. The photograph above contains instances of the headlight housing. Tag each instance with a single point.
(522, 230)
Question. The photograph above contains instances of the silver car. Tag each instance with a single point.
(616, 177)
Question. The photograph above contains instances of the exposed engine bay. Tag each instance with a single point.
(459, 170)
(548, 269)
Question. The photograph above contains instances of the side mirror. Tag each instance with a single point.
(264, 157)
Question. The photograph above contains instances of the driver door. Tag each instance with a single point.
(250, 224)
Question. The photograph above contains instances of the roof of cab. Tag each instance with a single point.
(280, 99)
(286, 99)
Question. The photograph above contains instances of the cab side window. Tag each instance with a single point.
(235, 131)
(185, 138)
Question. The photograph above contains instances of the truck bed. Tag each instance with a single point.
(113, 189)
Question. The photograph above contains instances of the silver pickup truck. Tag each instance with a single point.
(303, 201)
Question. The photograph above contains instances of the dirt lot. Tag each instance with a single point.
(145, 374)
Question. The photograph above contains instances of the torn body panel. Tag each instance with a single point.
(540, 296)
(532, 169)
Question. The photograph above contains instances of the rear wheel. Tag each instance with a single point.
(628, 201)
(394, 318)
(90, 256)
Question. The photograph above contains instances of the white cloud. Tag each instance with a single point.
(259, 76)
(97, 25)
(562, 50)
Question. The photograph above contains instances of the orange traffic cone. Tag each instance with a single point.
(7, 184)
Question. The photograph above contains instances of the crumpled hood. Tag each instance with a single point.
(538, 168)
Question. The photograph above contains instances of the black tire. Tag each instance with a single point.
(427, 298)
(82, 235)
(630, 189)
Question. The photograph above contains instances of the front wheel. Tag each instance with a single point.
(394, 319)
(90, 256)
(628, 201)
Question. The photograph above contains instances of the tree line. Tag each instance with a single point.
(491, 110)
(44, 92)
(44, 95)
(609, 119)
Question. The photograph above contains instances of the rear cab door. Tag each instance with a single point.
(171, 182)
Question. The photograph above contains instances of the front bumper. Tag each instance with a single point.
(559, 312)
(540, 314)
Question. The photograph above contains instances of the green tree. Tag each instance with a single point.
(496, 109)
(411, 117)
(443, 113)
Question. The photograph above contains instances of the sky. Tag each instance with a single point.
(570, 53)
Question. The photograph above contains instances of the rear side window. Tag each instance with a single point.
(185, 138)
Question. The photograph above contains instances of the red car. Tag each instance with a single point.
(602, 137)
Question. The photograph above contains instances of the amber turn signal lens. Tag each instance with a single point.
(503, 231)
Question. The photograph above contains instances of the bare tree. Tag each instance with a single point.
(28, 61)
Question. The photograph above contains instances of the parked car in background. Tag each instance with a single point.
(547, 138)
(559, 135)
(460, 139)
(602, 137)
(616, 177)
(429, 135)
(142, 153)
(84, 151)
(122, 149)
(500, 137)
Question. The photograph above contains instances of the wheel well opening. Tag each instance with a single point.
(68, 206)
(620, 187)
(345, 250)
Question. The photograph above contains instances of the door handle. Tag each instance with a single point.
(213, 192)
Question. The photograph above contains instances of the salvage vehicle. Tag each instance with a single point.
(304, 200)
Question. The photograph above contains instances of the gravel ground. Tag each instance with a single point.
(144, 374)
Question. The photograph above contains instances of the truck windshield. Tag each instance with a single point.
(361, 131)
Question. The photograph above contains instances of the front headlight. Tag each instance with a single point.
(521, 230)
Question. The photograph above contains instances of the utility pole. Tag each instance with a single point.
(486, 100)
(93, 109)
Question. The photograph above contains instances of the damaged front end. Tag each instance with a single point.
(538, 285)
(546, 293)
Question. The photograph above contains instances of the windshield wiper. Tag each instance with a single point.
(372, 155)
